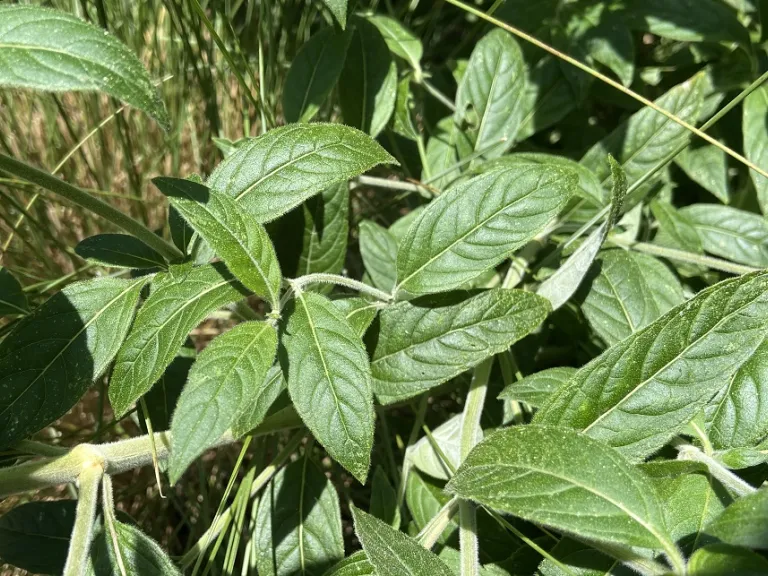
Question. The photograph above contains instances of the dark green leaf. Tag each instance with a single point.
(755, 128)
(275, 172)
(339, 10)
(630, 291)
(232, 232)
(12, 298)
(402, 120)
(602, 498)
(54, 354)
(140, 554)
(493, 88)
(423, 344)
(355, 565)
(368, 83)
(384, 499)
(379, 251)
(476, 224)
(258, 401)
(537, 388)
(162, 398)
(35, 536)
(359, 312)
(744, 523)
(329, 379)
(548, 97)
(424, 500)
(219, 385)
(447, 145)
(298, 523)
(392, 553)
(313, 73)
(708, 167)
(326, 227)
(181, 232)
(119, 251)
(581, 560)
(179, 301)
(50, 50)
(641, 391)
(400, 40)
(724, 560)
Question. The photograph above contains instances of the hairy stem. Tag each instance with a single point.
(108, 506)
(437, 525)
(727, 478)
(85, 518)
(320, 278)
(85, 200)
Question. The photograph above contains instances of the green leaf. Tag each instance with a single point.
(326, 227)
(379, 251)
(138, 552)
(354, 565)
(740, 458)
(313, 74)
(54, 354)
(277, 171)
(162, 398)
(445, 147)
(537, 388)
(218, 386)
(12, 298)
(601, 498)
(359, 312)
(641, 391)
(298, 523)
(178, 302)
(384, 499)
(424, 500)
(478, 223)
(391, 552)
(35, 536)
(78, 56)
(744, 523)
(581, 560)
(563, 283)
(448, 437)
(493, 88)
(423, 344)
(402, 120)
(738, 415)
(730, 233)
(724, 560)
(647, 137)
(548, 97)
(258, 400)
(329, 379)
(603, 37)
(755, 129)
(686, 20)
(339, 10)
(708, 167)
(676, 230)
(232, 232)
(629, 291)
(119, 251)
(368, 84)
(401, 41)
(181, 232)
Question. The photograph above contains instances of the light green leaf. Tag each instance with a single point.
(384, 499)
(740, 458)
(401, 41)
(232, 232)
(277, 171)
(313, 74)
(379, 251)
(424, 500)
(675, 229)
(730, 233)
(478, 223)
(447, 145)
(219, 385)
(738, 415)
(339, 10)
(329, 379)
(755, 129)
(604, 37)
(49, 50)
(744, 523)
(402, 120)
(399, 228)
(537, 388)
(35, 536)
(708, 167)
(686, 20)
(359, 312)
(326, 227)
(354, 565)
(119, 251)
(258, 401)
(179, 301)
(448, 437)
(629, 291)
(425, 343)
(54, 354)
(724, 560)
(601, 498)
(641, 391)
(298, 523)
(581, 560)
(139, 553)
(493, 88)
(391, 552)
(368, 84)
(12, 298)
(644, 139)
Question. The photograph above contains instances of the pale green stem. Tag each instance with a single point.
(391, 184)
(108, 505)
(470, 431)
(85, 518)
(319, 278)
(438, 95)
(682, 256)
(437, 525)
(465, 160)
(85, 200)
(40, 449)
(727, 478)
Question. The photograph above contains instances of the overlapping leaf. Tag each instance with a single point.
(401, 41)
(379, 251)
(743, 523)
(537, 388)
(12, 298)
(119, 251)
(755, 129)
(326, 227)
